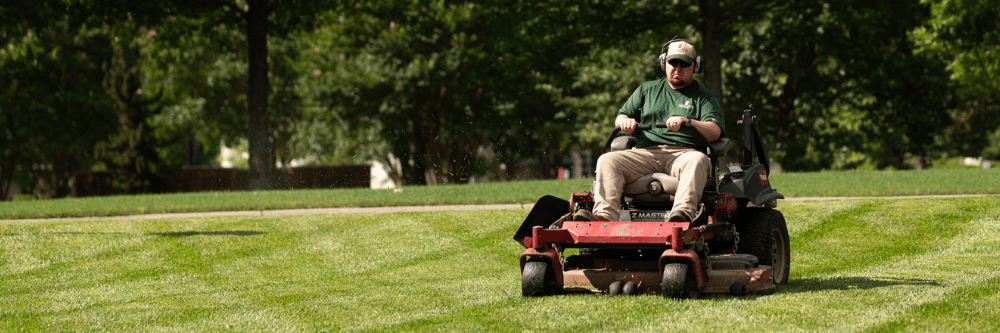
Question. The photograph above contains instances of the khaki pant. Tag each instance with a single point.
(615, 169)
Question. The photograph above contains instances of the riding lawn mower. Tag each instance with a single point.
(737, 243)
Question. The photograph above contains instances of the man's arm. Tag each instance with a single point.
(631, 109)
(710, 130)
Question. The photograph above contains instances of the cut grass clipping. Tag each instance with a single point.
(857, 265)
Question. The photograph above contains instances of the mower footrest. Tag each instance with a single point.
(602, 278)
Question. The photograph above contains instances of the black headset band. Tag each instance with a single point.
(671, 41)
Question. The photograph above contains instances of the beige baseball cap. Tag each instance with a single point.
(681, 50)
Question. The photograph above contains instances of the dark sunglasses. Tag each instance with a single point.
(679, 63)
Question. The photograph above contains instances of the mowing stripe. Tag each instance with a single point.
(867, 233)
(965, 301)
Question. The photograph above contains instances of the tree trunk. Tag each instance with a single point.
(577, 158)
(9, 161)
(6, 178)
(711, 49)
(261, 168)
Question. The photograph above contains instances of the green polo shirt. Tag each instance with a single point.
(654, 102)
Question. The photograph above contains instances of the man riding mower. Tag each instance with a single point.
(659, 218)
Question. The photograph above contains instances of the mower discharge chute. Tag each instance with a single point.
(737, 243)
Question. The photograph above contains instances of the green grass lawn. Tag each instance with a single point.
(488, 193)
(840, 183)
(887, 183)
(857, 265)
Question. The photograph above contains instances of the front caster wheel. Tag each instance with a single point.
(537, 279)
(678, 282)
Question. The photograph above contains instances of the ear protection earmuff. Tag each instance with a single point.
(663, 55)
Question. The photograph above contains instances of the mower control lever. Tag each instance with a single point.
(645, 127)
(638, 127)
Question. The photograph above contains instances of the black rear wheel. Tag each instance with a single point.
(764, 234)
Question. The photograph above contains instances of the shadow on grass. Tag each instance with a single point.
(243, 233)
(850, 283)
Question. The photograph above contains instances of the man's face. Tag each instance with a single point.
(678, 75)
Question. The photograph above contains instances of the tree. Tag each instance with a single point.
(835, 84)
(131, 153)
(455, 89)
(203, 78)
(592, 64)
(429, 76)
(456, 86)
(259, 19)
(965, 33)
(53, 109)
(718, 22)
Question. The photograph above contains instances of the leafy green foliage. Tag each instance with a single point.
(419, 74)
(53, 108)
(448, 92)
(203, 81)
(130, 152)
(837, 88)
(965, 34)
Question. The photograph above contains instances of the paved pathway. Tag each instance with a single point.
(395, 209)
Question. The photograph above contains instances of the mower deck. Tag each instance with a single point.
(660, 244)
(756, 280)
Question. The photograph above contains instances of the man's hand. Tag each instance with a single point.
(674, 123)
(625, 123)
